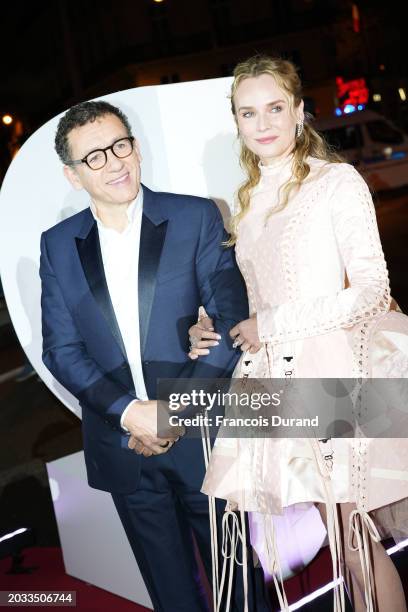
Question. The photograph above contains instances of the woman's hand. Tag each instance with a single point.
(202, 336)
(245, 335)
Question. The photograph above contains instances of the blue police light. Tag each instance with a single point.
(398, 155)
(349, 108)
(361, 107)
(338, 112)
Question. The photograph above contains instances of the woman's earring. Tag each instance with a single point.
(299, 128)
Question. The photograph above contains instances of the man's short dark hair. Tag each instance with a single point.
(79, 115)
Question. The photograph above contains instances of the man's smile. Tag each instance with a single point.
(120, 179)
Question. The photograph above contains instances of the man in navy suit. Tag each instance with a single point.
(122, 282)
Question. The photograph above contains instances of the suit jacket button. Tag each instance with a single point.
(146, 362)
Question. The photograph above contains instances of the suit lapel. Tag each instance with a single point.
(91, 259)
(151, 244)
(152, 237)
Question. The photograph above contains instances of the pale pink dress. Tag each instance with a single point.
(316, 277)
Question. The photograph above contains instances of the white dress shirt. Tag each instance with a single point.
(120, 255)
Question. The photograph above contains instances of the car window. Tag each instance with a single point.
(380, 131)
(345, 137)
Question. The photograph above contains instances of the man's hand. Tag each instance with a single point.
(245, 335)
(141, 420)
(137, 446)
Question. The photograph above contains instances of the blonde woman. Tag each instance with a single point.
(308, 247)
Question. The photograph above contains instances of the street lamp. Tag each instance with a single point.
(7, 119)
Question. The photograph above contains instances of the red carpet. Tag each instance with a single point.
(51, 576)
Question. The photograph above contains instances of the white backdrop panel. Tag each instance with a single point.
(94, 544)
(187, 139)
(188, 143)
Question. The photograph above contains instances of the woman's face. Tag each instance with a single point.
(265, 121)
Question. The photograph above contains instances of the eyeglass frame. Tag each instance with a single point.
(77, 162)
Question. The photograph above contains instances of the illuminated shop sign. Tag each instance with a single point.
(351, 95)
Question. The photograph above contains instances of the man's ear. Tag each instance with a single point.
(73, 177)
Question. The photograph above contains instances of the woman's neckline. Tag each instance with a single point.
(276, 166)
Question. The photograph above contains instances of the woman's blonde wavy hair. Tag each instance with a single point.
(309, 143)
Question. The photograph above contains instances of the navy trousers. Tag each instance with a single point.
(159, 519)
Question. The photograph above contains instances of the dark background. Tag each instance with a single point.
(55, 53)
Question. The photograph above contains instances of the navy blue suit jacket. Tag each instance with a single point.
(182, 265)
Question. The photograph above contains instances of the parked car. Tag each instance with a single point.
(372, 143)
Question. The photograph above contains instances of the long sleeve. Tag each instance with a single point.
(222, 293)
(65, 355)
(355, 228)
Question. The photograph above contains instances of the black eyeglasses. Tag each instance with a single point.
(95, 160)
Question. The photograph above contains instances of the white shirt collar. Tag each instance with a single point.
(135, 206)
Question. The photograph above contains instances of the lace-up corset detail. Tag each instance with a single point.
(294, 263)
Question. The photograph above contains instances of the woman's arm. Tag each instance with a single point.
(368, 294)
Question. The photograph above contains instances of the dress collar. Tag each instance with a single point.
(277, 166)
